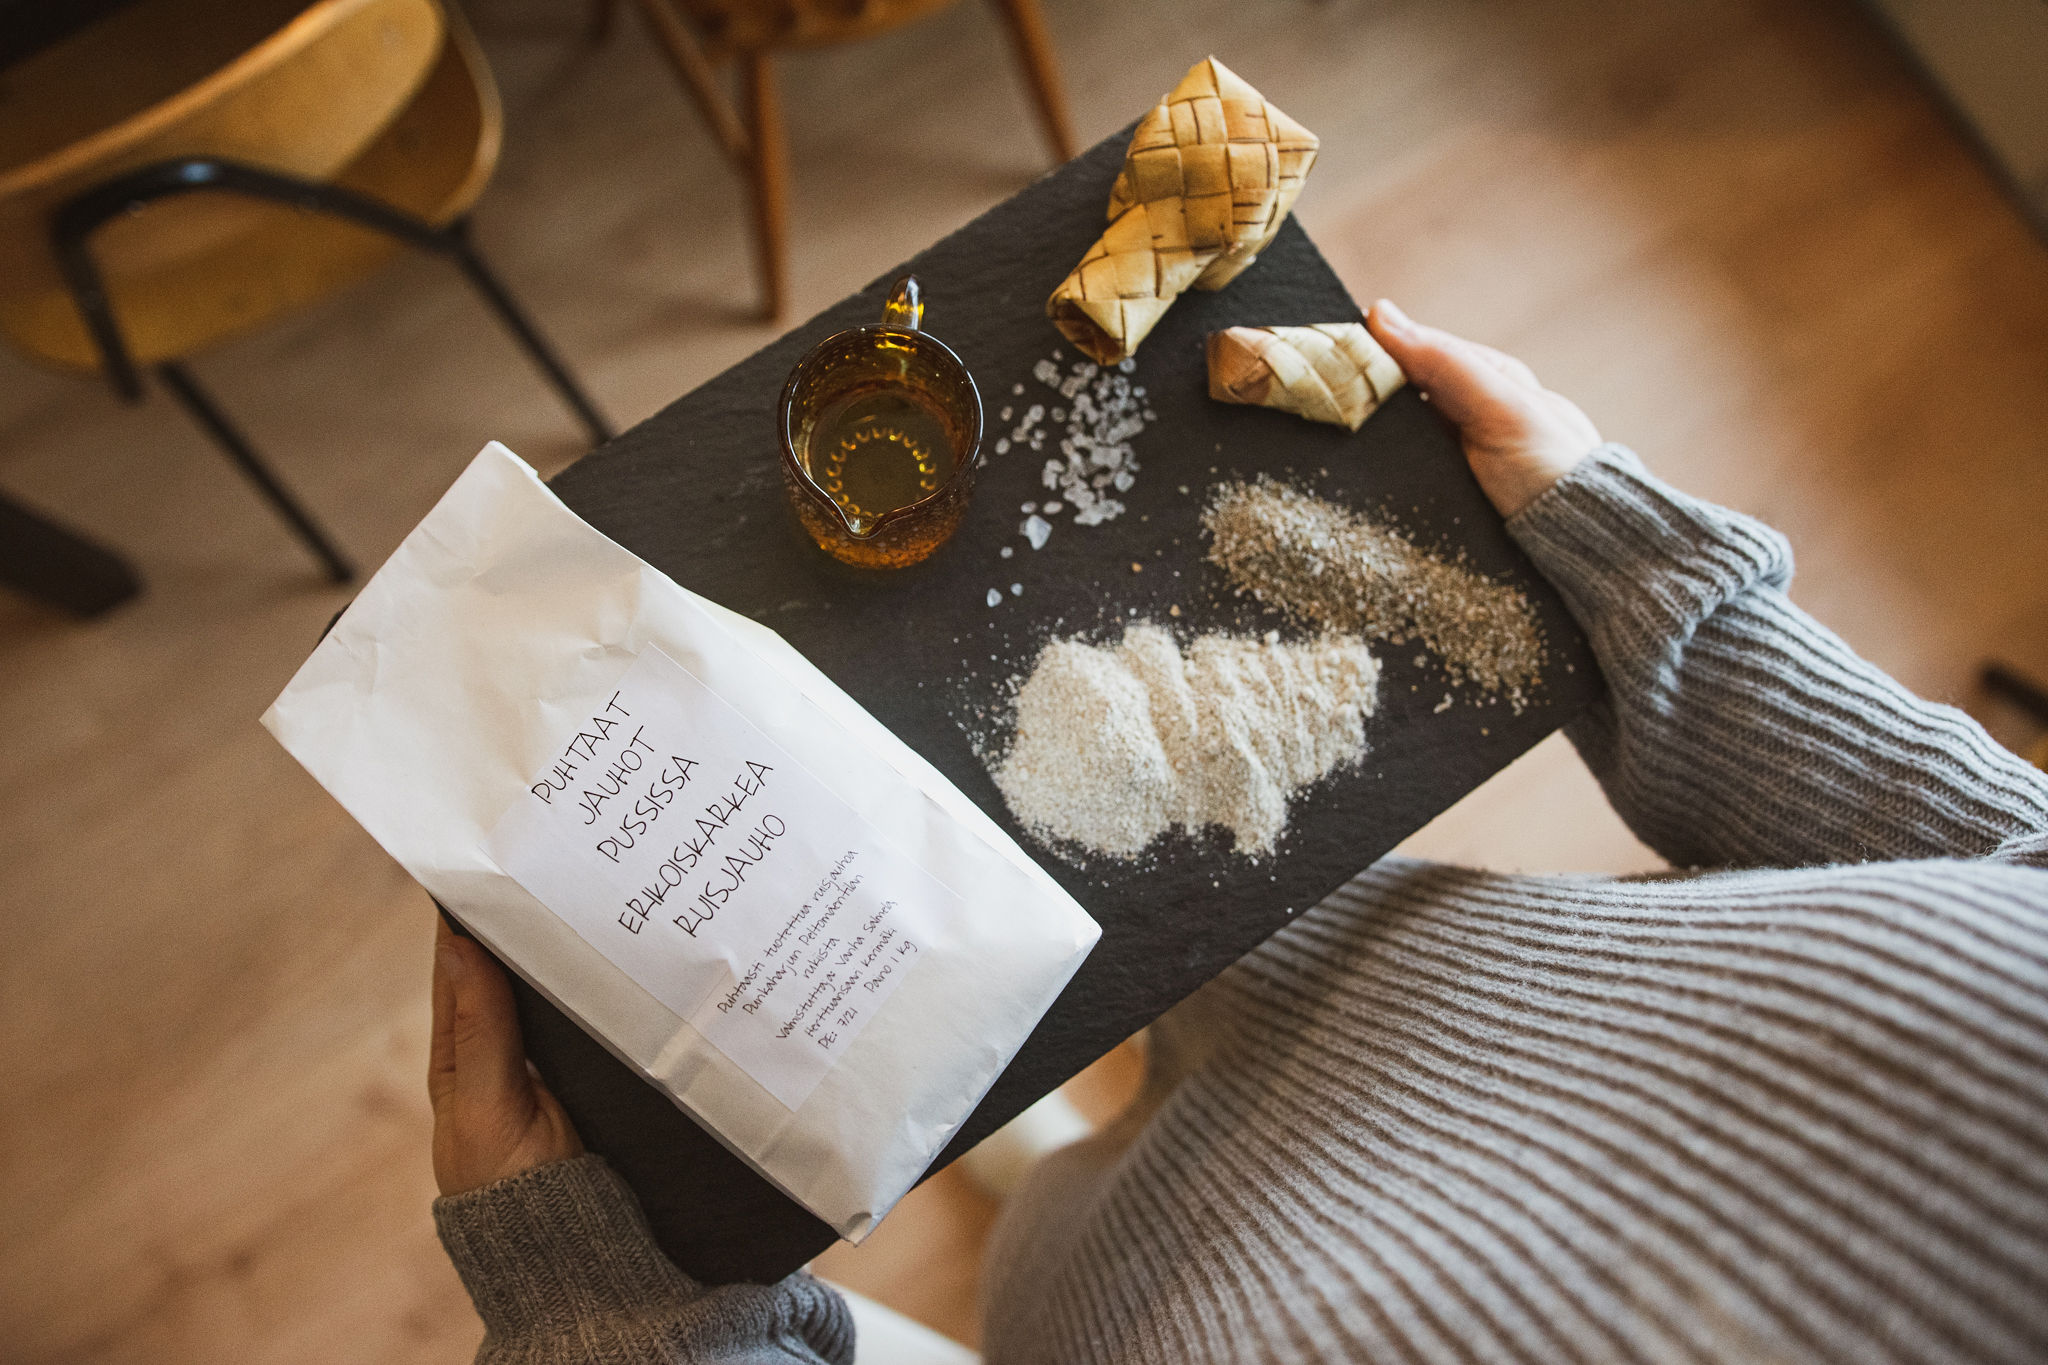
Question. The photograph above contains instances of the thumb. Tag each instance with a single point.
(1462, 383)
(476, 1057)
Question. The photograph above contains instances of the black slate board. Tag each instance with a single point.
(695, 490)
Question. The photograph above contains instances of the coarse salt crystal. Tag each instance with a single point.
(1036, 529)
(1099, 512)
(1093, 432)
(995, 597)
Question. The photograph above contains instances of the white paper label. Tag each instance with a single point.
(709, 866)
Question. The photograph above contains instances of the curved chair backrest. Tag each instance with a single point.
(313, 96)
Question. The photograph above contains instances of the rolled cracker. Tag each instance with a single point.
(1330, 372)
(1211, 173)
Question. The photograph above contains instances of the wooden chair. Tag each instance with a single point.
(184, 172)
(698, 35)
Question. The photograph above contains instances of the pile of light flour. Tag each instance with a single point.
(1117, 743)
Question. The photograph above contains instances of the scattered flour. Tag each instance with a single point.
(1117, 743)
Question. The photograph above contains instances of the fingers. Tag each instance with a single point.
(558, 1138)
(1518, 436)
(1458, 375)
(441, 1050)
(476, 1055)
(1508, 365)
(493, 1118)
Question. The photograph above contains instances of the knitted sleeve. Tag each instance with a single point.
(562, 1267)
(1737, 730)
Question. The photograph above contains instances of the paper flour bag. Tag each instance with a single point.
(686, 837)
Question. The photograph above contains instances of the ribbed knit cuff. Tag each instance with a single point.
(557, 1245)
(1614, 539)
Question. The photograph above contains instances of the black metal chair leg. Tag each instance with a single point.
(58, 566)
(472, 262)
(186, 390)
(74, 223)
(2019, 689)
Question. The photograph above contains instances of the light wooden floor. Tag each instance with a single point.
(1738, 232)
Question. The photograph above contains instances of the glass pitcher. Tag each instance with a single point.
(881, 436)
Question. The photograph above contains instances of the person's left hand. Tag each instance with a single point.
(492, 1116)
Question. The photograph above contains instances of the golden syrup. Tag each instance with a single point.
(876, 451)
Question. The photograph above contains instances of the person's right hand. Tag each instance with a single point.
(1519, 436)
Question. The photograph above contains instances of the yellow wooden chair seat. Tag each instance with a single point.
(186, 272)
(213, 167)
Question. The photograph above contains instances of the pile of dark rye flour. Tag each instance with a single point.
(1326, 565)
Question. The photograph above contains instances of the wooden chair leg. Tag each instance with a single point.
(699, 78)
(1028, 33)
(768, 176)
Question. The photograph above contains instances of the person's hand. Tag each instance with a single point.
(492, 1116)
(1519, 436)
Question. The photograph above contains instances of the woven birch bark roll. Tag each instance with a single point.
(1211, 173)
(1332, 372)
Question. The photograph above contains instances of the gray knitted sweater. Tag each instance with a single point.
(1791, 1105)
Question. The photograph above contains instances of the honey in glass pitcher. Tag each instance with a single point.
(881, 433)
(877, 451)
